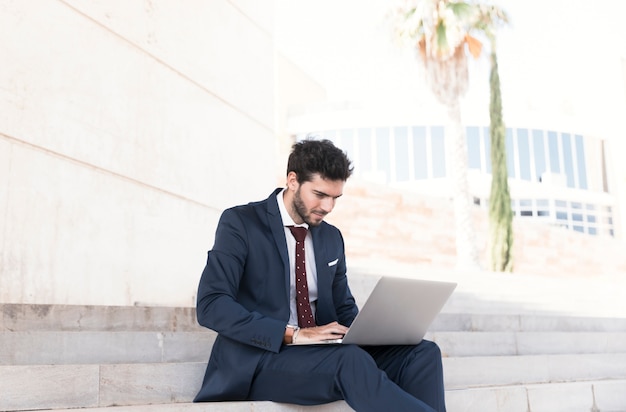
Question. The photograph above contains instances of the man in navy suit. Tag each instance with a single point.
(247, 293)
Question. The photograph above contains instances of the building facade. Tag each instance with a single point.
(557, 176)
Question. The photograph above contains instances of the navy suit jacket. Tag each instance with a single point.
(244, 293)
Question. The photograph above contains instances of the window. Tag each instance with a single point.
(580, 162)
(330, 135)
(510, 153)
(568, 160)
(524, 154)
(365, 150)
(553, 148)
(383, 158)
(539, 151)
(487, 140)
(543, 207)
(401, 140)
(473, 147)
(438, 151)
(420, 154)
(347, 141)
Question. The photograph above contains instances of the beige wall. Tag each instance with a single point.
(293, 88)
(125, 128)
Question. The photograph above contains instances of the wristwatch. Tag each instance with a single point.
(291, 332)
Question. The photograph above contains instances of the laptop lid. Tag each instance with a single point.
(398, 311)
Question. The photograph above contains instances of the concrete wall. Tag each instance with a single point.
(125, 128)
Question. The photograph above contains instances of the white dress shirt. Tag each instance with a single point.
(309, 253)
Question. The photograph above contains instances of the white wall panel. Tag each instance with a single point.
(125, 128)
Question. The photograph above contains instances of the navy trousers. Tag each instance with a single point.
(369, 378)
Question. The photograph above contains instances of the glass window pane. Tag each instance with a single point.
(592, 231)
(553, 148)
(383, 157)
(365, 150)
(347, 141)
(401, 140)
(510, 153)
(539, 153)
(419, 152)
(523, 146)
(473, 147)
(331, 135)
(568, 160)
(439, 151)
(487, 140)
(580, 160)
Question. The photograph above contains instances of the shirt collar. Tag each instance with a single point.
(286, 218)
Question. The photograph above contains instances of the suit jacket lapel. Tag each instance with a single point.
(320, 258)
(278, 232)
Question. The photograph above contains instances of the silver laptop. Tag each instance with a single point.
(399, 311)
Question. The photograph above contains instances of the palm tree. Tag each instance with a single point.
(440, 29)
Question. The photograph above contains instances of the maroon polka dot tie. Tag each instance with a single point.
(305, 315)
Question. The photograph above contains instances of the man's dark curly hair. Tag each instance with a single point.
(318, 156)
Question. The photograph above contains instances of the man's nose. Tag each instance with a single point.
(328, 204)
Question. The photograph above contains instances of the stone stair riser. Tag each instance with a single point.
(45, 386)
(34, 348)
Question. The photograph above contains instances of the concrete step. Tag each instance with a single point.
(27, 387)
(482, 371)
(494, 322)
(27, 317)
(247, 406)
(465, 344)
(601, 396)
(43, 348)
(595, 396)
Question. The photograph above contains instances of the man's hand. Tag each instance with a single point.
(319, 333)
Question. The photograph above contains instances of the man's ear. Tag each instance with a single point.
(292, 181)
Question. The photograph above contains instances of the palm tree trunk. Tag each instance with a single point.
(467, 255)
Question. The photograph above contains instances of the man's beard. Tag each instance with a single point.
(300, 209)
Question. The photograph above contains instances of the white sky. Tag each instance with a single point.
(561, 61)
(560, 55)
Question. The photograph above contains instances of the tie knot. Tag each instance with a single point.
(298, 232)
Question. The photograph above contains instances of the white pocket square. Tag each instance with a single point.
(333, 263)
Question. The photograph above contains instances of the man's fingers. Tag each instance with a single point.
(334, 328)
